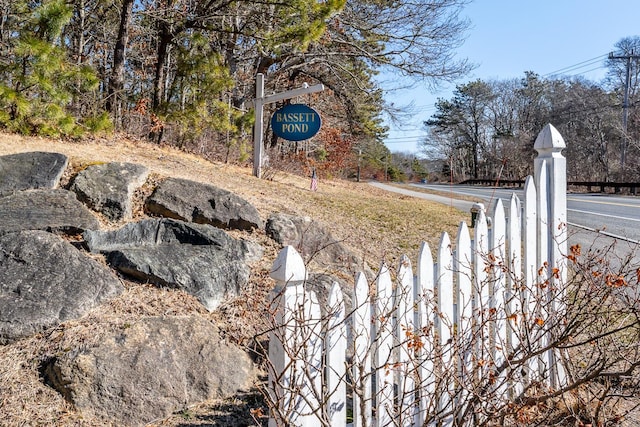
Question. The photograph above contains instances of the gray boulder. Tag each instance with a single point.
(44, 280)
(108, 188)
(198, 258)
(313, 242)
(149, 369)
(34, 170)
(55, 210)
(201, 203)
(321, 284)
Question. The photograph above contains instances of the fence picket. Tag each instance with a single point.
(481, 296)
(336, 351)
(444, 325)
(463, 278)
(426, 310)
(498, 314)
(530, 267)
(289, 275)
(513, 293)
(384, 365)
(422, 346)
(464, 321)
(362, 342)
(405, 330)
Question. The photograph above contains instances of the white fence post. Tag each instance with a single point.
(551, 174)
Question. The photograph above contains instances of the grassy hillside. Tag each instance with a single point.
(372, 222)
(375, 224)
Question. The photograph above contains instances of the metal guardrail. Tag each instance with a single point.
(602, 186)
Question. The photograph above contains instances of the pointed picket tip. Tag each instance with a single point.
(425, 271)
(384, 270)
(445, 256)
(463, 233)
(424, 254)
(361, 279)
(514, 206)
(445, 241)
(288, 266)
(498, 209)
(384, 275)
(549, 139)
(482, 216)
(335, 299)
(384, 283)
(530, 189)
(361, 287)
(404, 265)
(481, 229)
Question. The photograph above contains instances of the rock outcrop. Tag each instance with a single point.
(50, 272)
(57, 263)
(24, 171)
(54, 210)
(204, 204)
(44, 280)
(312, 241)
(147, 370)
(197, 258)
(108, 188)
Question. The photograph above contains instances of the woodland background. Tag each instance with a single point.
(182, 73)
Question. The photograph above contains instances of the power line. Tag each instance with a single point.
(588, 71)
(583, 64)
(405, 137)
(404, 141)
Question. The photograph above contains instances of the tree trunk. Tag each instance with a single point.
(116, 81)
(165, 38)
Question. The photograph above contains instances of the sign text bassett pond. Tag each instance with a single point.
(295, 122)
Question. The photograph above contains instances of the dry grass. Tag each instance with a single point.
(374, 224)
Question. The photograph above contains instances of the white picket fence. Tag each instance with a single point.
(445, 344)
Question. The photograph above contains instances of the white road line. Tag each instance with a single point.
(601, 202)
(605, 215)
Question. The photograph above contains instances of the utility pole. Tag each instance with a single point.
(625, 105)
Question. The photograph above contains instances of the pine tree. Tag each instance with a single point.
(40, 82)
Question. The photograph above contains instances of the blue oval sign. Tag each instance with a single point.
(295, 122)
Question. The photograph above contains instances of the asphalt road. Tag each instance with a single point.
(596, 221)
(616, 216)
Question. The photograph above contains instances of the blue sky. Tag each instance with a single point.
(509, 37)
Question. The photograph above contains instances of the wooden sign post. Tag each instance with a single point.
(259, 103)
